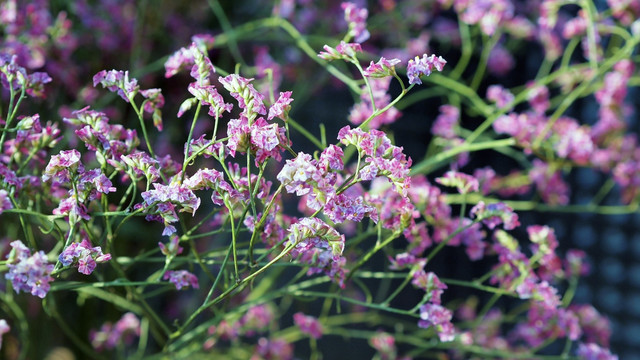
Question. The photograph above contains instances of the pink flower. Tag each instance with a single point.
(463, 182)
(592, 351)
(117, 81)
(5, 201)
(27, 272)
(357, 19)
(83, 256)
(383, 68)
(181, 278)
(423, 66)
(281, 107)
(344, 51)
(308, 325)
(439, 317)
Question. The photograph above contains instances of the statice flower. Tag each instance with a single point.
(495, 214)
(439, 317)
(344, 51)
(423, 66)
(181, 279)
(63, 165)
(342, 207)
(464, 183)
(551, 187)
(27, 272)
(248, 98)
(591, 351)
(501, 96)
(154, 101)
(500, 61)
(109, 336)
(117, 81)
(361, 111)
(357, 19)
(320, 246)
(281, 107)
(596, 328)
(83, 256)
(446, 123)
(257, 319)
(5, 201)
(268, 349)
(383, 68)
(161, 203)
(385, 344)
(430, 283)
(308, 325)
(173, 248)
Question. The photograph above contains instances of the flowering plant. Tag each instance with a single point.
(250, 223)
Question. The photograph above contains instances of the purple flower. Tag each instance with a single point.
(28, 273)
(117, 81)
(181, 278)
(423, 66)
(361, 111)
(62, 165)
(500, 61)
(463, 182)
(281, 107)
(5, 201)
(295, 174)
(382, 68)
(385, 344)
(249, 99)
(109, 336)
(319, 245)
(446, 123)
(308, 325)
(592, 351)
(279, 349)
(257, 319)
(173, 248)
(344, 51)
(495, 214)
(357, 19)
(439, 317)
(501, 96)
(83, 256)
(430, 283)
(342, 207)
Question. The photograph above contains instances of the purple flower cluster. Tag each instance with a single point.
(111, 335)
(319, 245)
(361, 111)
(28, 272)
(308, 325)
(83, 256)
(181, 279)
(423, 66)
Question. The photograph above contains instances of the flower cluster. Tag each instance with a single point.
(83, 256)
(28, 272)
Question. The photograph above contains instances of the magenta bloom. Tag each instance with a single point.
(4, 328)
(357, 19)
(281, 107)
(423, 66)
(308, 325)
(117, 81)
(28, 273)
(109, 335)
(434, 315)
(5, 202)
(181, 279)
(592, 351)
(83, 256)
